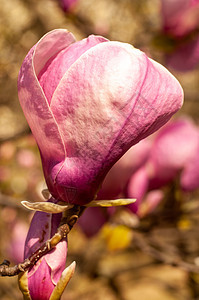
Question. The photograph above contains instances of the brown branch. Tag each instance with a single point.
(67, 222)
(144, 245)
(6, 200)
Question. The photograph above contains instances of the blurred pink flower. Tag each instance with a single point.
(25, 158)
(44, 276)
(189, 179)
(173, 148)
(180, 20)
(137, 188)
(92, 220)
(180, 17)
(87, 103)
(151, 201)
(68, 5)
(174, 153)
(185, 57)
(16, 246)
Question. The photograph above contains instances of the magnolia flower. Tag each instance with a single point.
(67, 5)
(18, 235)
(87, 103)
(171, 152)
(180, 17)
(180, 22)
(174, 152)
(189, 179)
(138, 186)
(185, 57)
(92, 220)
(47, 279)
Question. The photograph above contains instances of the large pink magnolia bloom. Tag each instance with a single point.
(87, 103)
(180, 17)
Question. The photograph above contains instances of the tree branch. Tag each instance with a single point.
(68, 220)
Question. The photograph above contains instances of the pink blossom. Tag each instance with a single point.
(185, 57)
(174, 153)
(87, 103)
(180, 20)
(138, 187)
(16, 245)
(173, 149)
(44, 276)
(180, 17)
(92, 220)
(189, 179)
(150, 203)
(67, 5)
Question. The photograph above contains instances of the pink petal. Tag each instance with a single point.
(137, 188)
(190, 176)
(40, 286)
(33, 101)
(92, 220)
(171, 151)
(57, 65)
(117, 178)
(16, 246)
(150, 202)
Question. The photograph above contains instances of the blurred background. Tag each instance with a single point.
(151, 252)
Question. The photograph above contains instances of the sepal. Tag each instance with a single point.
(47, 207)
(63, 281)
(109, 203)
(23, 285)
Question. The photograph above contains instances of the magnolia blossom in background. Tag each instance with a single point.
(185, 57)
(189, 179)
(180, 17)
(87, 103)
(92, 220)
(180, 22)
(68, 5)
(174, 153)
(16, 246)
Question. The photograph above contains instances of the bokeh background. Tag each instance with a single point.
(128, 258)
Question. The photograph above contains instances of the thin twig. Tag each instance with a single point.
(144, 245)
(6, 200)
